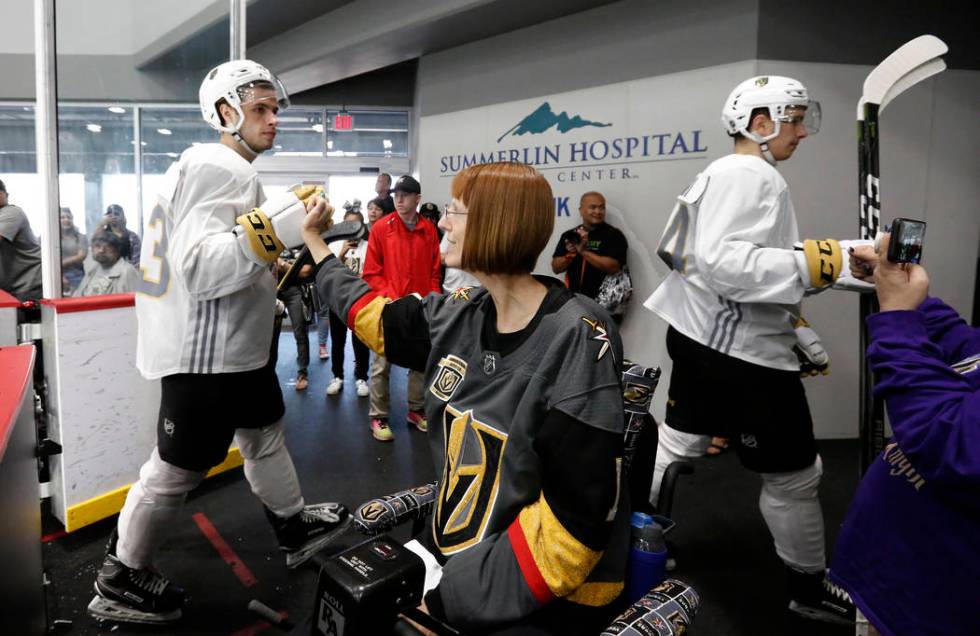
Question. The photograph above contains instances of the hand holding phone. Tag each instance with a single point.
(907, 236)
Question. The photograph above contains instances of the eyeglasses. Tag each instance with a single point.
(448, 211)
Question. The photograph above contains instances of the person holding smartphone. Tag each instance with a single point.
(908, 553)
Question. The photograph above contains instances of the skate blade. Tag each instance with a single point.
(298, 557)
(104, 609)
(816, 614)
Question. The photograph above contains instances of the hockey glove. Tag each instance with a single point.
(824, 265)
(810, 352)
(265, 232)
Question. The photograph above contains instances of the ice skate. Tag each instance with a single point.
(128, 595)
(305, 533)
(815, 597)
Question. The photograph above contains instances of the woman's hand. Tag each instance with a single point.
(319, 218)
(900, 286)
(863, 260)
(319, 215)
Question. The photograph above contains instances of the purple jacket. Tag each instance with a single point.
(909, 551)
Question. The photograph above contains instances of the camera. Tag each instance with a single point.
(906, 241)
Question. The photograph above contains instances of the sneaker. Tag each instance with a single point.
(126, 594)
(302, 382)
(814, 596)
(380, 430)
(417, 418)
(335, 386)
(363, 390)
(323, 352)
(306, 532)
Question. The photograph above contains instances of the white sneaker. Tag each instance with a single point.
(335, 386)
(363, 390)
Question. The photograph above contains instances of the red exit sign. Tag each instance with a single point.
(343, 121)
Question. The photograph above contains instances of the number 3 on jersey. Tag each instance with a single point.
(153, 259)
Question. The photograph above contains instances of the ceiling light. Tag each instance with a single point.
(318, 127)
(172, 154)
(330, 144)
(165, 131)
(119, 110)
(93, 128)
(386, 143)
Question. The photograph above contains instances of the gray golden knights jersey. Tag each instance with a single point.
(202, 306)
(735, 283)
(507, 550)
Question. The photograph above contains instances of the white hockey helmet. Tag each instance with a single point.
(774, 93)
(232, 82)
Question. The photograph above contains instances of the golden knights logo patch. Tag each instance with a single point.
(460, 293)
(471, 476)
(449, 376)
(599, 334)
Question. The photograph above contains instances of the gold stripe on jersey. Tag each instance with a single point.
(368, 327)
(596, 594)
(564, 561)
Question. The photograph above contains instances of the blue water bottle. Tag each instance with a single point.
(648, 556)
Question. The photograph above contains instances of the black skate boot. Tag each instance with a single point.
(306, 532)
(814, 596)
(127, 595)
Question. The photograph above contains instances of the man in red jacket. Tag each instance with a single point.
(402, 258)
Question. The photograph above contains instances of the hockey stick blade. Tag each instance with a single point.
(903, 61)
(346, 231)
(910, 79)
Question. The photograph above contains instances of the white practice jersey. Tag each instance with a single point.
(202, 306)
(736, 281)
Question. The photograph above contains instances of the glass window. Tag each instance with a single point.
(300, 133)
(141, 52)
(378, 133)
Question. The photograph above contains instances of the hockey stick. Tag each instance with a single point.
(346, 231)
(910, 64)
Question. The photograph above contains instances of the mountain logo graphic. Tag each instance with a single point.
(543, 118)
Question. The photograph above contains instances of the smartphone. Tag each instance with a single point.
(906, 241)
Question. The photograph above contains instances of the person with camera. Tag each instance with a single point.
(591, 251)
(908, 553)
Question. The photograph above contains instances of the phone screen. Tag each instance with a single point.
(906, 242)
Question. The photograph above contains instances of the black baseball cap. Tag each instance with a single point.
(429, 209)
(408, 184)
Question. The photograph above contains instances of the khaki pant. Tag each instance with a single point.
(380, 397)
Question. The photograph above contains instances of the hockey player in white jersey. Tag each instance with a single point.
(205, 308)
(732, 301)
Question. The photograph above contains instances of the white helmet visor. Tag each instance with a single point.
(810, 118)
(263, 89)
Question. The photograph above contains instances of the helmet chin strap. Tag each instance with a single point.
(767, 154)
(244, 144)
